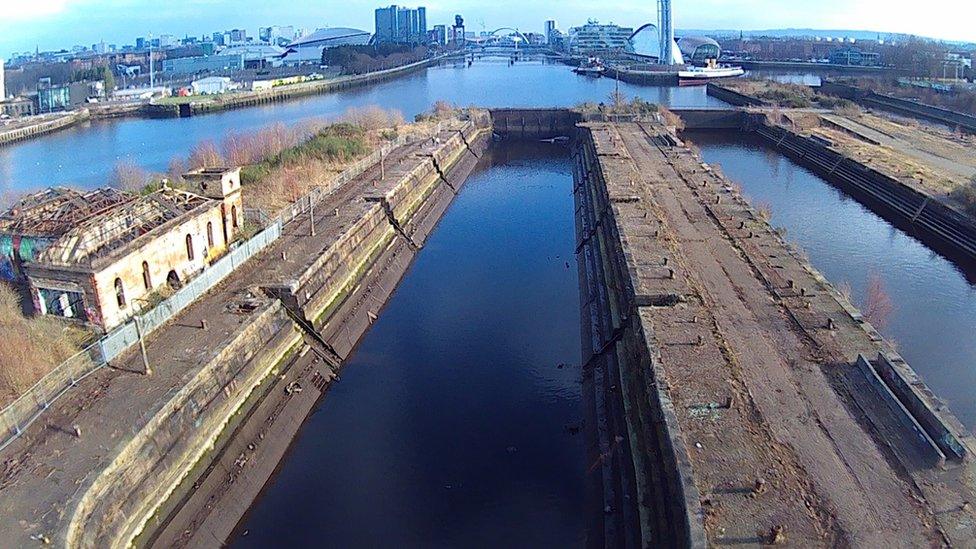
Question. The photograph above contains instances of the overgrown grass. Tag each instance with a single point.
(966, 196)
(339, 143)
(31, 346)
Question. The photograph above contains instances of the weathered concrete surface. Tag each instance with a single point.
(756, 350)
(53, 484)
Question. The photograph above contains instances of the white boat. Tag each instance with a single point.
(592, 67)
(712, 71)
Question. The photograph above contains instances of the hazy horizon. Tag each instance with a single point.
(61, 24)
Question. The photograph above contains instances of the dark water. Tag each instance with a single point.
(449, 427)
(934, 318)
(85, 155)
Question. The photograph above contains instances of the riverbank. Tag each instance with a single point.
(109, 111)
(203, 377)
(237, 100)
(36, 126)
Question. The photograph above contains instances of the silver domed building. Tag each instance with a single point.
(697, 50)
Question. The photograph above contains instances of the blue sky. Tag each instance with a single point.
(52, 24)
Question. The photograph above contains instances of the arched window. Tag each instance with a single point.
(146, 279)
(209, 234)
(119, 293)
(189, 247)
(233, 216)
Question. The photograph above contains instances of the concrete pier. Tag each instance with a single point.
(41, 125)
(735, 374)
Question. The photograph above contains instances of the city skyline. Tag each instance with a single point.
(43, 24)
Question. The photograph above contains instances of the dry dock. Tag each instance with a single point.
(233, 375)
(705, 325)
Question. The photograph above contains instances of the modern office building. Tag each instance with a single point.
(438, 35)
(400, 25)
(204, 63)
(855, 57)
(596, 37)
(551, 29)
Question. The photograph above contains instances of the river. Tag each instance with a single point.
(85, 155)
(454, 421)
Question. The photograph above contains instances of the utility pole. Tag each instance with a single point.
(142, 345)
(311, 215)
(152, 79)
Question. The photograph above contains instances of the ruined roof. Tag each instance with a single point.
(55, 211)
(101, 235)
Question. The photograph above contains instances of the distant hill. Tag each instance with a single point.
(823, 33)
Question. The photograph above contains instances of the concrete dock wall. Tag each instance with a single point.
(534, 123)
(919, 401)
(901, 106)
(45, 127)
(647, 489)
(115, 508)
(712, 119)
(732, 97)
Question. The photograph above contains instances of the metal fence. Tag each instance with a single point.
(23, 411)
(29, 406)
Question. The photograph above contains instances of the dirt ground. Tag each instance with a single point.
(926, 156)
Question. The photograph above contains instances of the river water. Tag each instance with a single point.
(933, 319)
(85, 155)
(453, 423)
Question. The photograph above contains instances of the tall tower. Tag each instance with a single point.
(664, 25)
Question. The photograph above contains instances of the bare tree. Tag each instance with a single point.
(128, 176)
(877, 303)
(205, 155)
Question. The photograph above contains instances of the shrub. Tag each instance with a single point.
(205, 155)
(31, 347)
(966, 195)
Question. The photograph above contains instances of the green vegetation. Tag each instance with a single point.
(177, 100)
(362, 59)
(340, 142)
(102, 73)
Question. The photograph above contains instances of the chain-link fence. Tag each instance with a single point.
(23, 411)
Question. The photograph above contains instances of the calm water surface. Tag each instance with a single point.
(934, 318)
(86, 154)
(450, 424)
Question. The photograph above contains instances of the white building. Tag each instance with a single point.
(308, 49)
(593, 37)
(213, 85)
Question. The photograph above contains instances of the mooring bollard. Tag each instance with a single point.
(830, 324)
(203, 324)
